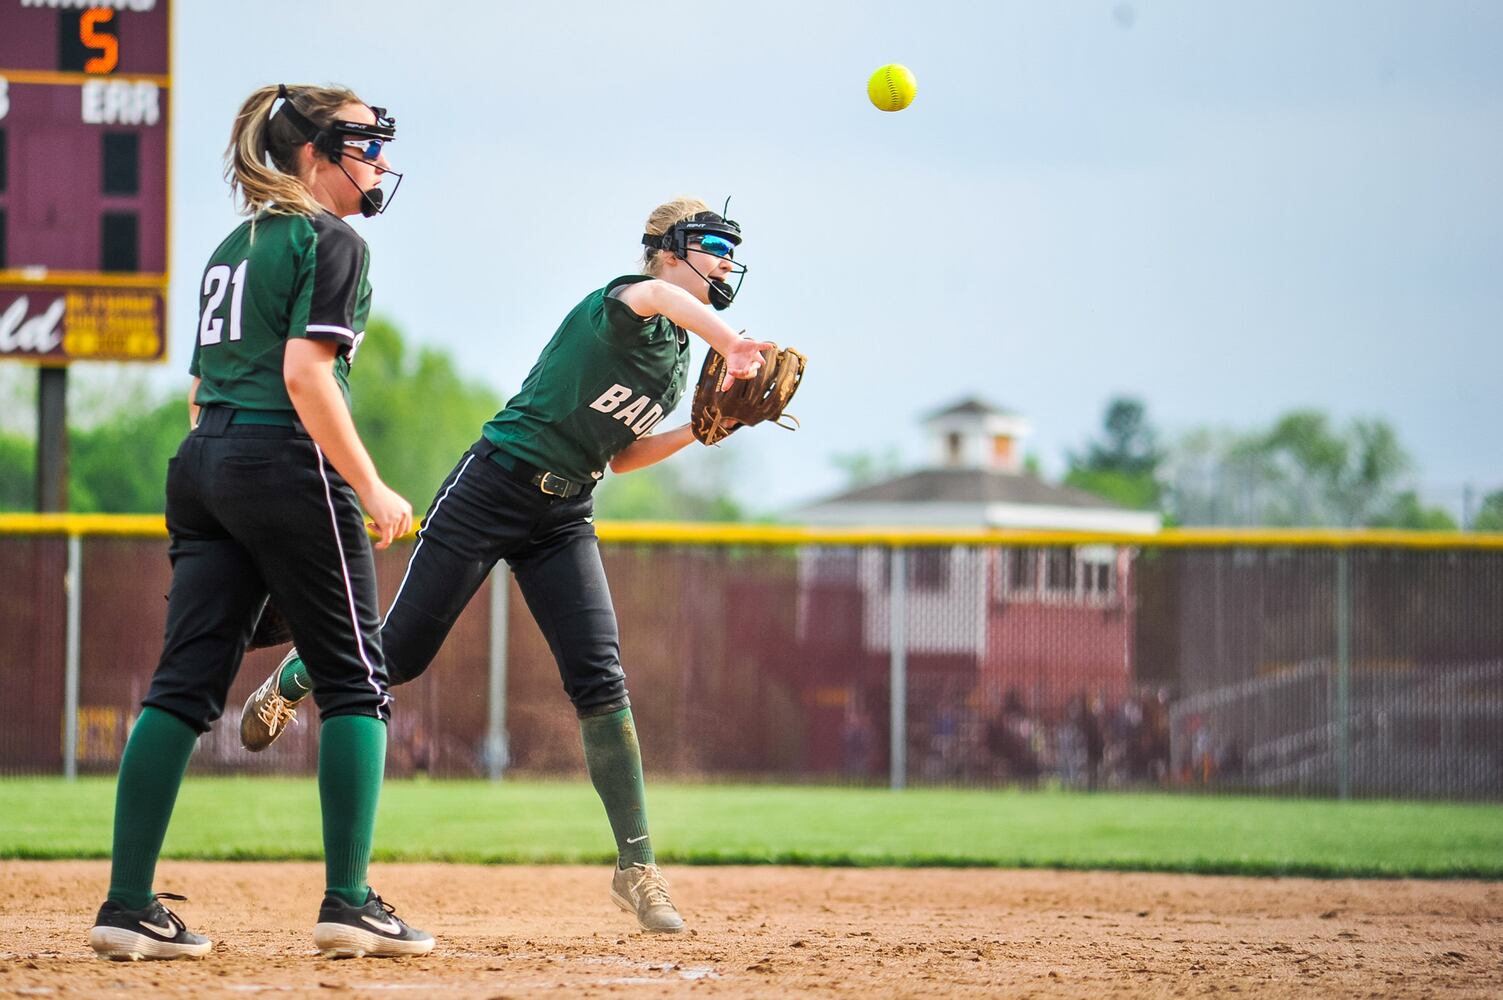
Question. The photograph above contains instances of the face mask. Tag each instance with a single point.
(373, 200)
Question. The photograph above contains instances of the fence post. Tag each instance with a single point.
(497, 752)
(897, 613)
(73, 590)
(1343, 674)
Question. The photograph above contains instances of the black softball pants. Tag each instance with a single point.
(482, 514)
(255, 510)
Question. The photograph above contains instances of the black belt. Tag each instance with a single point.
(216, 421)
(519, 471)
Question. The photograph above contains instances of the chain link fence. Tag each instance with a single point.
(1343, 665)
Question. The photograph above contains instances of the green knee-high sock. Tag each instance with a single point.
(615, 763)
(351, 760)
(294, 682)
(151, 770)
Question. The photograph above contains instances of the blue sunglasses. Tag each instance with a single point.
(370, 149)
(716, 245)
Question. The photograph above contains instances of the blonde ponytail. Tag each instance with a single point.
(256, 137)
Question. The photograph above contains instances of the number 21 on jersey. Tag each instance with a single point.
(218, 280)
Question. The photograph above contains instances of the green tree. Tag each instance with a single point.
(414, 410)
(662, 492)
(1408, 512)
(119, 466)
(1138, 492)
(1490, 516)
(863, 468)
(18, 459)
(1350, 476)
(1122, 465)
(1301, 471)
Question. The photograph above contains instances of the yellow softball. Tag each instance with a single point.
(891, 88)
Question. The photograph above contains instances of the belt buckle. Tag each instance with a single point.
(554, 486)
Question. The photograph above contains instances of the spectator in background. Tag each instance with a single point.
(1093, 736)
(858, 739)
(1009, 739)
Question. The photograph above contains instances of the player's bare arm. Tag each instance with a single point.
(662, 298)
(652, 449)
(193, 403)
(308, 367)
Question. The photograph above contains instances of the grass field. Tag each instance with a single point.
(278, 819)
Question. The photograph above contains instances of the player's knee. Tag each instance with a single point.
(402, 670)
(604, 708)
(194, 710)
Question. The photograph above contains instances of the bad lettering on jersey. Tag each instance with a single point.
(641, 414)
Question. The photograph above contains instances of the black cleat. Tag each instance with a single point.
(151, 932)
(345, 931)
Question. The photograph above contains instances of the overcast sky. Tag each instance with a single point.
(1227, 209)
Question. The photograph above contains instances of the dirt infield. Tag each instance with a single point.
(524, 932)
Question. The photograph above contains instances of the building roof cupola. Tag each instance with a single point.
(974, 434)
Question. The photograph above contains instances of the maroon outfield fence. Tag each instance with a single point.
(1312, 663)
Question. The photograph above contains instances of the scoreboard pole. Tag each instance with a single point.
(52, 439)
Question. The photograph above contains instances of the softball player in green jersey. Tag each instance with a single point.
(616, 366)
(264, 498)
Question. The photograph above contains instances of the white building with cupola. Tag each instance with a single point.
(974, 476)
(976, 614)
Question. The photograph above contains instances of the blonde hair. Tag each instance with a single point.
(257, 137)
(660, 221)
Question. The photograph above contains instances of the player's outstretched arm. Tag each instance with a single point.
(652, 449)
(308, 368)
(661, 298)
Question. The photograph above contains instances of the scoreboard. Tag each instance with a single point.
(84, 88)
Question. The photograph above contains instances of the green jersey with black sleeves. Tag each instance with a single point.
(278, 277)
(605, 379)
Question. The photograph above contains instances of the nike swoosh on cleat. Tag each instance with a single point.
(389, 926)
(167, 932)
(633, 840)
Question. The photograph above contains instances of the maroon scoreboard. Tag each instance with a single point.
(83, 179)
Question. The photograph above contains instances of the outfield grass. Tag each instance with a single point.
(256, 818)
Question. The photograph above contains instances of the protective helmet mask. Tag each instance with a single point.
(337, 140)
(695, 233)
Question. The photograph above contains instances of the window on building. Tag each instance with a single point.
(1022, 570)
(952, 448)
(1059, 570)
(1100, 580)
(1098, 571)
(929, 568)
(121, 168)
(1002, 451)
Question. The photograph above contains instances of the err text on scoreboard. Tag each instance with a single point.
(83, 179)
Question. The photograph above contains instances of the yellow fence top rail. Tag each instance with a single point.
(704, 533)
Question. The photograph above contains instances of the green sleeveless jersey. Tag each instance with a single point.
(605, 379)
(298, 277)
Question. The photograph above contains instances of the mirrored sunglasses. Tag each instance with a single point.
(370, 149)
(717, 245)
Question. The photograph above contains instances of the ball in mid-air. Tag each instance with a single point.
(892, 87)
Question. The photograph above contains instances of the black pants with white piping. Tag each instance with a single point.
(484, 513)
(254, 510)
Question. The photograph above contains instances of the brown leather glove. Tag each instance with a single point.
(749, 400)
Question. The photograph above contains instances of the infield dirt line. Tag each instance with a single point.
(552, 931)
